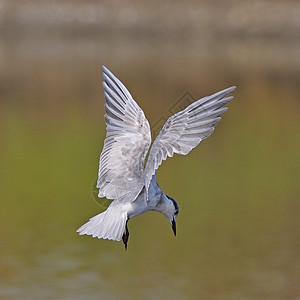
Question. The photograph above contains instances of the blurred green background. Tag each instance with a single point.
(238, 192)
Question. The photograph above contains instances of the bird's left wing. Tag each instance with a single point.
(128, 137)
(185, 130)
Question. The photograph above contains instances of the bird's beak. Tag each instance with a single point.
(174, 226)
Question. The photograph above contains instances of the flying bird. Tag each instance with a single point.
(122, 175)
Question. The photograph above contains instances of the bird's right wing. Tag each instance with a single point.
(128, 137)
(185, 130)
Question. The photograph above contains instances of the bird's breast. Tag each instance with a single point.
(140, 206)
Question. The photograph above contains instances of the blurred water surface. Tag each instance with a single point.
(238, 227)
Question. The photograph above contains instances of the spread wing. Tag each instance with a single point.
(128, 137)
(186, 129)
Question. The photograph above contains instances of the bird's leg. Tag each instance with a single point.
(125, 236)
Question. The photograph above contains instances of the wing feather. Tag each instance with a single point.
(128, 137)
(185, 130)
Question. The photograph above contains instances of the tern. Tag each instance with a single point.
(123, 177)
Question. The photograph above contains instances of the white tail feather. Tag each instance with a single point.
(108, 225)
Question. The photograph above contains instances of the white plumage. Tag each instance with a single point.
(122, 176)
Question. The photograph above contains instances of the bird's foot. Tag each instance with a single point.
(125, 239)
(125, 236)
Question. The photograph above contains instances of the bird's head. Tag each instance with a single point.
(171, 212)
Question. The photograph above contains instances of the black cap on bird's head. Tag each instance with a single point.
(174, 215)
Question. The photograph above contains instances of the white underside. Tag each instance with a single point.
(110, 224)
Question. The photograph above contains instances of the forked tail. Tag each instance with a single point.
(110, 224)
